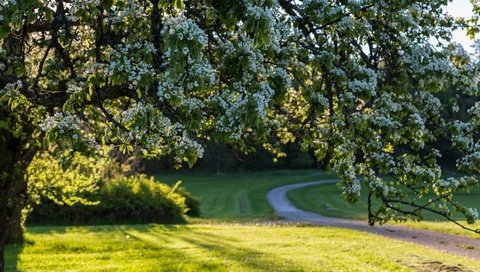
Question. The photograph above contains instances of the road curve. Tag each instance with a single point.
(459, 245)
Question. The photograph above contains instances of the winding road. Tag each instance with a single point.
(459, 245)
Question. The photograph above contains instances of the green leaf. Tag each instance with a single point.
(4, 31)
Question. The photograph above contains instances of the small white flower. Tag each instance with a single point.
(455, 108)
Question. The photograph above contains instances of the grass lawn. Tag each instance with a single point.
(217, 242)
(222, 247)
(326, 200)
(238, 197)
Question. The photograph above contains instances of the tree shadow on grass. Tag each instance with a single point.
(12, 256)
(242, 256)
(183, 248)
(182, 261)
(220, 252)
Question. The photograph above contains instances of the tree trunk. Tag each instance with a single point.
(2, 261)
(16, 227)
(14, 160)
(12, 201)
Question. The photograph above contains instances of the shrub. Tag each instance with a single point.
(193, 205)
(122, 200)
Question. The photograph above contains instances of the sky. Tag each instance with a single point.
(461, 8)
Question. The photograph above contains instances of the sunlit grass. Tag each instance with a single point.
(446, 227)
(233, 246)
(241, 197)
(222, 247)
(326, 200)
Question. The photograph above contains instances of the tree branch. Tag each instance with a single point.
(411, 204)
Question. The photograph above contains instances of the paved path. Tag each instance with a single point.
(459, 245)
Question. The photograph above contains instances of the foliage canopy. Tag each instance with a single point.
(355, 81)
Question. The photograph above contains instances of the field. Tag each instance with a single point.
(325, 199)
(224, 247)
(234, 197)
(235, 233)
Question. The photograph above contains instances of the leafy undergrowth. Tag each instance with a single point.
(221, 247)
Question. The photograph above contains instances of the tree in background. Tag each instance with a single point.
(352, 80)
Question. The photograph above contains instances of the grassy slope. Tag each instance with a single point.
(326, 200)
(237, 196)
(223, 248)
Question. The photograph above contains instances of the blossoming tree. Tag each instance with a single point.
(355, 81)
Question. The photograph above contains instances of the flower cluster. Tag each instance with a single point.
(74, 87)
(345, 166)
(80, 8)
(432, 73)
(233, 106)
(281, 77)
(6, 3)
(320, 11)
(11, 90)
(379, 184)
(242, 59)
(60, 121)
(128, 63)
(462, 135)
(157, 133)
(261, 22)
(126, 10)
(471, 161)
(472, 213)
(184, 29)
(364, 82)
(451, 183)
(188, 68)
(12, 96)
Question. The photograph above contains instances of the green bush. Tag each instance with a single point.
(122, 200)
(193, 205)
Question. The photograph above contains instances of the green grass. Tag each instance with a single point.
(222, 247)
(445, 227)
(326, 200)
(238, 197)
(231, 246)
